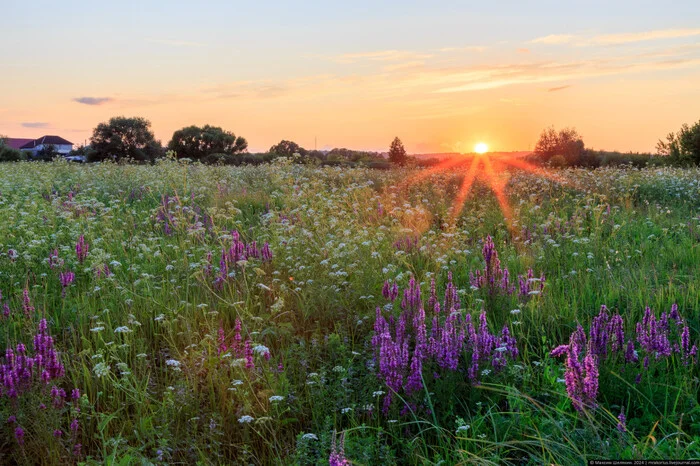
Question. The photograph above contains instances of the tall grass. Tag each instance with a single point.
(626, 238)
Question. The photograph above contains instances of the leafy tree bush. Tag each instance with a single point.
(567, 143)
(682, 148)
(8, 154)
(198, 143)
(287, 149)
(47, 153)
(397, 153)
(124, 138)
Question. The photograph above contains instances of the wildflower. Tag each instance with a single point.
(337, 457)
(123, 329)
(174, 363)
(309, 436)
(19, 435)
(276, 398)
(246, 419)
(622, 422)
(101, 369)
(81, 249)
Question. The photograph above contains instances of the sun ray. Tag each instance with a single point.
(498, 187)
(464, 190)
(423, 174)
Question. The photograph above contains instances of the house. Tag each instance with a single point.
(16, 143)
(32, 146)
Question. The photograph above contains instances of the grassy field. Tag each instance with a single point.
(270, 315)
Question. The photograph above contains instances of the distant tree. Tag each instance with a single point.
(682, 147)
(46, 153)
(8, 154)
(197, 143)
(124, 138)
(287, 149)
(397, 153)
(567, 143)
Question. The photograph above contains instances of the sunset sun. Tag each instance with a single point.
(481, 148)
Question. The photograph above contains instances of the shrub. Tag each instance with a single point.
(8, 154)
(684, 147)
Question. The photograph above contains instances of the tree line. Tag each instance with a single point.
(565, 148)
(131, 139)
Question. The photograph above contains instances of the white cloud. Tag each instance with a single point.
(616, 39)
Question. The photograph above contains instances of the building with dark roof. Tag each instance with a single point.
(61, 145)
(16, 143)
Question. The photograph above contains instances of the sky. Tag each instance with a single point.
(442, 76)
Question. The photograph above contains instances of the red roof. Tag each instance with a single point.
(52, 140)
(17, 143)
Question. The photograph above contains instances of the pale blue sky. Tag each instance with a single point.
(267, 70)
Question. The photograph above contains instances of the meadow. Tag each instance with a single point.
(287, 314)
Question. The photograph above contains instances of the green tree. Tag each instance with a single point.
(567, 143)
(682, 147)
(397, 153)
(8, 154)
(124, 138)
(197, 143)
(47, 153)
(287, 149)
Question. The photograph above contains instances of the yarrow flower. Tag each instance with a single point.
(246, 419)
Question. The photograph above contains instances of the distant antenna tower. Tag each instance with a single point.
(314, 142)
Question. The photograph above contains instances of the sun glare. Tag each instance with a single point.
(481, 148)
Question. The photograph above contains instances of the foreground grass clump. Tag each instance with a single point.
(287, 314)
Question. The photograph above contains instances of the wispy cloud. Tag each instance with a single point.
(381, 56)
(554, 39)
(558, 88)
(176, 43)
(494, 77)
(626, 38)
(616, 39)
(401, 55)
(93, 100)
(468, 48)
(35, 124)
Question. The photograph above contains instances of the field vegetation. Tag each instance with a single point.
(182, 313)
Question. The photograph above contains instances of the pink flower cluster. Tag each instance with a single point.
(81, 249)
(497, 279)
(405, 346)
(19, 370)
(658, 339)
(238, 350)
(240, 251)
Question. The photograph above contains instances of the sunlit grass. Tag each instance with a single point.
(621, 237)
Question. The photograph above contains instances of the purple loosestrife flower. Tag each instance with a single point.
(19, 435)
(337, 457)
(66, 279)
(389, 291)
(616, 333)
(81, 249)
(590, 381)
(248, 351)
(599, 333)
(222, 341)
(630, 353)
(27, 303)
(54, 261)
(622, 422)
